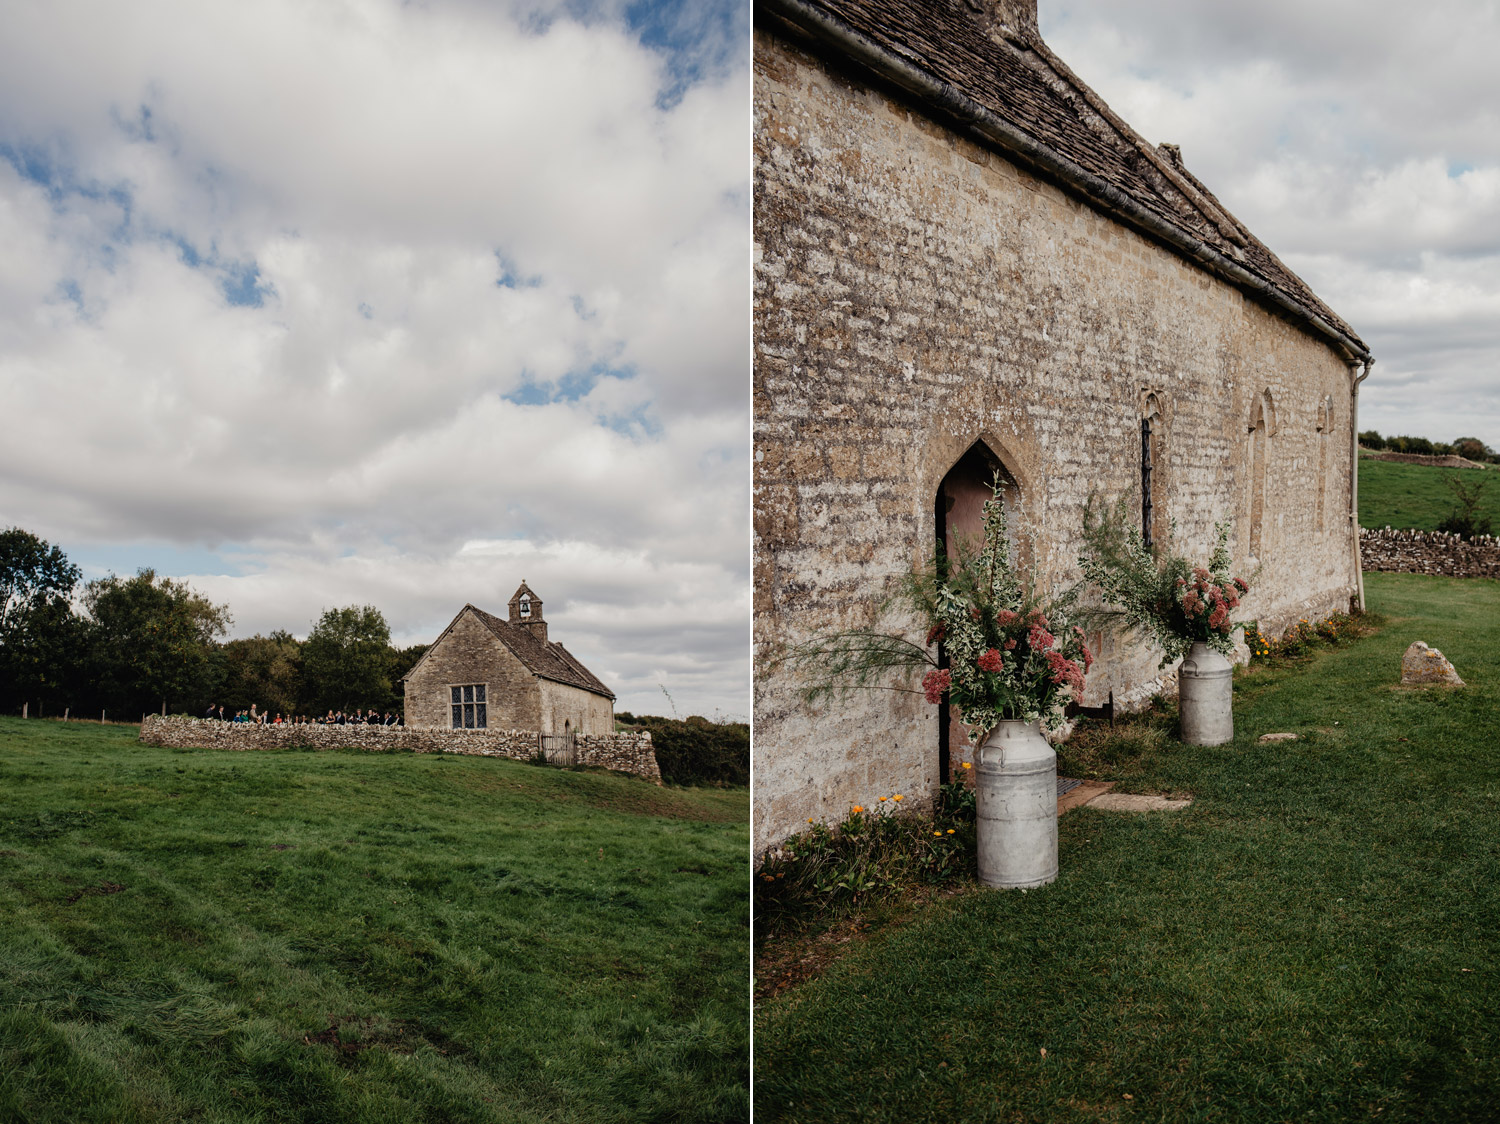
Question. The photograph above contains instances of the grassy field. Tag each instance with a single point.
(300, 936)
(1413, 496)
(1317, 937)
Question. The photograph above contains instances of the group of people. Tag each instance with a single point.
(333, 718)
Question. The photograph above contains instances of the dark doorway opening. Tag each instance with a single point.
(959, 511)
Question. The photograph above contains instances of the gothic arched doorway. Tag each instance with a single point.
(959, 511)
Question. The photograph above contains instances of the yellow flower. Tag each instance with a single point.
(898, 797)
(967, 765)
(937, 833)
(950, 831)
(809, 819)
(882, 799)
(857, 808)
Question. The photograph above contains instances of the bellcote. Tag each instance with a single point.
(526, 611)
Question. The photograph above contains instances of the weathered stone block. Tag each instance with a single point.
(1422, 666)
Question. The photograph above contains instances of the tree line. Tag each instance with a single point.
(129, 646)
(1470, 448)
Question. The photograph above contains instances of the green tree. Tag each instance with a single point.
(1464, 519)
(40, 636)
(151, 643)
(1371, 439)
(264, 670)
(1472, 449)
(345, 660)
(399, 662)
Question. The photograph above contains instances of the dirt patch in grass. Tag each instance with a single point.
(788, 958)
(102, 889)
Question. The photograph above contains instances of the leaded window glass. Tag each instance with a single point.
(469, 707)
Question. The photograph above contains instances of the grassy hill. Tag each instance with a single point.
(1413, 496)
(1314, 938)
(198, 935)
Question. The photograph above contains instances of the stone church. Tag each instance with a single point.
(488, 673)
(966, 263)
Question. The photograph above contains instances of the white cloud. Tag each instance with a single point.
(279, 278)
(1361, 142)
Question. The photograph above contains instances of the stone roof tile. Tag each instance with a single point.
(1017, 78)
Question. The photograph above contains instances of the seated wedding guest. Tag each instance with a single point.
(209, 714)
(372, 719)
(329, 720)
(388, 720)
(277, 720)
(221, 714)
(340, 720)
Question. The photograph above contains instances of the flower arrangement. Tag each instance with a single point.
(1158, 592)
(1009, 654)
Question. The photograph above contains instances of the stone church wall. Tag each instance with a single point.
(564, 707)
(626, 753)
(470, 653)
(914, 293)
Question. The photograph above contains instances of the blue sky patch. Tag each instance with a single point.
(570, 388)
(510, 274)
(242, 285)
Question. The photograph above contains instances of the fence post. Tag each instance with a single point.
(25, 706)
(66, 710)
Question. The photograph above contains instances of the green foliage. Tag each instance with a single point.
(265, 671)
(1305, 636)
(1464, 519)
(1011, 654)
(873, 854)
(1371, 439)
(1312, 939)
(151, 642)
(33, 573)
(1414, 497)
(1155, 592)
(695, 751)
(345, 660)
(41, 640)
(345, 937)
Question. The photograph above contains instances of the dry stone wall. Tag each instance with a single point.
(625, 753)
(1429, 552)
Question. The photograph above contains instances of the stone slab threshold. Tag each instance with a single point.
(1097, 794)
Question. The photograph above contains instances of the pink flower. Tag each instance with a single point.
(935, 683)
(1219, 618)
(1202, 576)
(1242, 584)
(1065, 672)
(1037, 619)
(1191, 603)
(1005, 618)
(1010, 645)
(936, 633)
(991, 661)
(1039, 638)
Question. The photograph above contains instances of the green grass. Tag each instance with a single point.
(1413, 496)
(300, 936)
(1316, 938)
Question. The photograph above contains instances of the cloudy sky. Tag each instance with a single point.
(366, 301)
(1360, 140)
